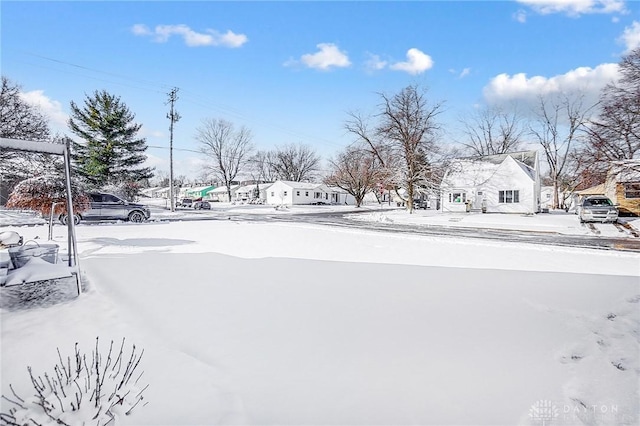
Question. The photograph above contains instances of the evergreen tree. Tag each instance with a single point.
(110, 152)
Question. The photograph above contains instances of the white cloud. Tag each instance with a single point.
(147, 132)
(417, 62)
(460, 74)
(504, 88)
(631, 37)
(575, 7)
(52, 109)
(162, 33)
(520, 16)
(374, 63)
(328, 56)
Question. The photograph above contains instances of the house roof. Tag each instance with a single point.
(301, 185)
(526, 157)
(247, 188)
(223, 189)
(594, 190)
(200, 188)
(476, 170)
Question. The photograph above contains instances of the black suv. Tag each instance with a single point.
(110, 207)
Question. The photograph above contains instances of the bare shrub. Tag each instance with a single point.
(88, 390)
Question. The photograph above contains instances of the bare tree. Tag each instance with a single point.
(367, 138)
(228, 149)
(19, 120)
(296, 163)
(615, 133)
(493, 131)
(365, 135)
(558, 128)
(261, 168)
(408, 126)
(355, 171)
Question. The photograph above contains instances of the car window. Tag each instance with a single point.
(108, 198)
(96, 198)
(598, 202)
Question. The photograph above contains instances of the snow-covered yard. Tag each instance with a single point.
(270, 323)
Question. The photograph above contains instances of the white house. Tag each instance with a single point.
(250, 193)
(221, 194)
(503, 183)
(284, 192)
(290, 193)
(340, 196)
(546, 197)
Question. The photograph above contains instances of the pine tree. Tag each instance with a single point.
(110, 151)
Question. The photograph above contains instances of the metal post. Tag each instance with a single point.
(53, 206)
(72, 246)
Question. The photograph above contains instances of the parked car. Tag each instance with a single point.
(597, 208)
(185, 202)
(419, 204)
(109, 207)
(202, 205)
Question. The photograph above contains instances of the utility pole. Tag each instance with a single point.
(173, 117)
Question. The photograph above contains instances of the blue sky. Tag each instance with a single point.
(291, 71)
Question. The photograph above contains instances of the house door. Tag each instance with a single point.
(477, 201)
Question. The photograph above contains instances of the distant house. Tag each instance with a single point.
(503, 183)
(577, 196)
(252, 193)
(198, 191)
(299, 193)
(284, 192)
(546, 197)
(221, 194)
(622, 186)
(154, 192)
(340, 196)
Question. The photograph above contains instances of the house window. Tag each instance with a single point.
(297, 193)
(273, 194)
(306, 193)
(632, 190)
(317, 195)
(326, 196)
(509, 197)
(457, 197)
(285, 193)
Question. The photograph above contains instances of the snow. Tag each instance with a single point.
(258, 322)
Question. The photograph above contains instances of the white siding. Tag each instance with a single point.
(479, 184)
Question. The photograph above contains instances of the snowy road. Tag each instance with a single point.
(600, 236)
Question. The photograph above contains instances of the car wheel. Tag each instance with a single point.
(63, 219)
(136, 217)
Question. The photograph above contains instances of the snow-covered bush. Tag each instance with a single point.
(41, 192)
(87, 390)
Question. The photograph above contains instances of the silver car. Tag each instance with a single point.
(109, 207)
(597, 208)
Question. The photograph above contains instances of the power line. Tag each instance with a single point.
(162, 86)
(158, 87)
